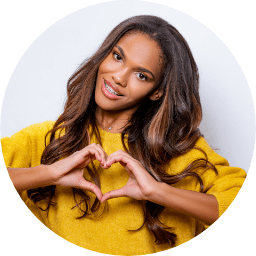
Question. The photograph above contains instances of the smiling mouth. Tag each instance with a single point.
(111, 90)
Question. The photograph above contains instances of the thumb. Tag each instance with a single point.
(86, 185)
(113, 194)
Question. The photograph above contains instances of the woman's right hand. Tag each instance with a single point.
(69, 172)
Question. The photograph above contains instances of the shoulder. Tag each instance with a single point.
(212, 155)
(24, 148)
(31, 132)
(201, 150)
(38, 128)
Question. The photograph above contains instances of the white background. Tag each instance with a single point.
(37, 89)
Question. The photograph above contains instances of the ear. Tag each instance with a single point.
(156, 95)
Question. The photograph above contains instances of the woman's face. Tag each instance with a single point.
(128, 74)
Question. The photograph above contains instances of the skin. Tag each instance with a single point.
(124, 71)
(122, 67)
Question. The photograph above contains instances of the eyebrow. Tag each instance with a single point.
(140, 68)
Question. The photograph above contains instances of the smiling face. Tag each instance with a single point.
(128, 74)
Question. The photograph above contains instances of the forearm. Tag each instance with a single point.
(28, 178)
(195, 204)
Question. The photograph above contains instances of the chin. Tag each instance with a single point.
(104, 103)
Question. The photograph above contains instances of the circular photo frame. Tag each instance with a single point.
(37, 89)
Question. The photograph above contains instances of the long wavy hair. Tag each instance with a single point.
(157, 132)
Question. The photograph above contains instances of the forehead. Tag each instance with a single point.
(141, 50)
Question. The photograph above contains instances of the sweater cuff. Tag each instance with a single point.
(225, 199)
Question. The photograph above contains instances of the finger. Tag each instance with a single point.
(120, 151)
(113, 194)
(91, 151)
(86, 162)
(100, 152)
(118, 157)
(86, 185)
(78, 158)
(114, 155)
(105, 156)
(134, 168)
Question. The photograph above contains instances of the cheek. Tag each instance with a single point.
(101, 70)
(139, 90)
(106, 66)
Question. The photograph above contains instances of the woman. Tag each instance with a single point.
(129, 133)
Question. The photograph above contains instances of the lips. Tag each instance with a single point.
(114, 88)
(109, 90)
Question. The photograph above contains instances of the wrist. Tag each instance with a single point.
(30, 178)
(153, 195)
(51, 179)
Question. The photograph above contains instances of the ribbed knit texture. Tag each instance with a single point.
(109, 232)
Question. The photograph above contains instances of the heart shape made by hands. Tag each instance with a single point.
(139, 185)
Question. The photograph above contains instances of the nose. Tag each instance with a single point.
(120, 77)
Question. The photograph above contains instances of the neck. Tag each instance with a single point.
(112, 119)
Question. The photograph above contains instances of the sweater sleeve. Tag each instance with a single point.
(24, 148)
(224, 185)
(17, 150)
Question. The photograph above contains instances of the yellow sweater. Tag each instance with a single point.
(109, 233)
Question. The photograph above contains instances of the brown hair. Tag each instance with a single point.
(158, 130)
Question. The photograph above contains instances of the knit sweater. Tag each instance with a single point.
(109, 233)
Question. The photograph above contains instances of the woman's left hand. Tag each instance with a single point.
(140, 185)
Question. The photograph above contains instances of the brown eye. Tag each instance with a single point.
(141, 76)
(117, 56)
